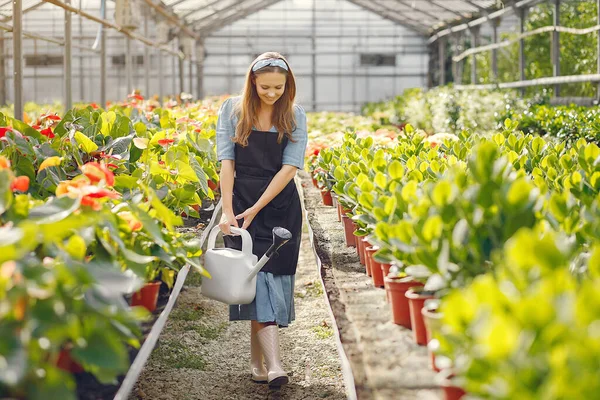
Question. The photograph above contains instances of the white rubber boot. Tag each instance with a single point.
(268, 338)
(259, 372)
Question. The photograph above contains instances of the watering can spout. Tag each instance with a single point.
(280, 237)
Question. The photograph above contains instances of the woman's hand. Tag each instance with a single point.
(227, 220)
(248, 216)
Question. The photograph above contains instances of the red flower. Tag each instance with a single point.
(97, 172)
(53, 117)
(3, 131)
(165, 142)
(94, 105)
(20, 184)
(48, 133)
(36, 127)
(135, 96)
(95, 192)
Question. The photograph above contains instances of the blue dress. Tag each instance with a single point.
(256, 165)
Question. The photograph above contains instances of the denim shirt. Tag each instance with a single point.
(293, 154)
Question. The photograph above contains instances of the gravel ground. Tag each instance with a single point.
(385, 361)
(200, 355)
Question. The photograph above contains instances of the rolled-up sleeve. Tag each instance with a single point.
(225, 131)
(293, 154)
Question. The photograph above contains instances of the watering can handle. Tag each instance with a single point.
(246, 238)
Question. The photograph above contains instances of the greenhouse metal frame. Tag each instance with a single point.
(194, 20)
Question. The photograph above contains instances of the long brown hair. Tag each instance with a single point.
(283, 110)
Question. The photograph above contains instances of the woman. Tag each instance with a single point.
(261, 140)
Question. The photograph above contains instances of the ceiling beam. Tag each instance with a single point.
(171, 17)
(510, 5)
(241, 14)
(390, 15)
(209, 5)
(458, 14)
(197, 22)
(435, 17)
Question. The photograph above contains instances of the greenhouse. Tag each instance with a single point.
(401, 196)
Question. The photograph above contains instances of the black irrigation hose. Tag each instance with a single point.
(146, 349)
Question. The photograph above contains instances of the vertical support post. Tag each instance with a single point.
(81, 56)
(454, 50)
(191, 76)
(460, 41)
(442, 60)
(495, 23)
(146, 56)
(68, 66)
(314, 55)
(161, 89)
(556, 47)
(598, 53)
(18, 57)
(3, 70)
(181, 69)
(356, 60)
(430, 65)
(474, 43)
(103, 58)
(35, 70)
(128, 66)
(522, 48)
(174, 69)
(200, 68)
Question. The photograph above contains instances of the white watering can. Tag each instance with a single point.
(233, 271)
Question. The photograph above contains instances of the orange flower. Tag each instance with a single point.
(20, 184)
(4, 163)
(97, 172)
(133, 223)
(89, 193)
(165, 142)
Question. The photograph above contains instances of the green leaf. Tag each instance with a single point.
(366, 200)
(339, 173)
(108, 119)
(103, 351)
(140, 129)
(432, 228)
(594, 262)
(26, 130)
(381, 180)
(126, 181)
(56, 209)
(537, 145)
(442, 193)
(396, 170)
(6, 196)
(76, 247)
(85, 143)
(162, 212)
(185, 172)
(140, 143)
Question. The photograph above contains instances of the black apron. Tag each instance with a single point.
(255, 167)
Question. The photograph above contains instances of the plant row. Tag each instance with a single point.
(503, 231)
(444, 109)
(89, 205)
